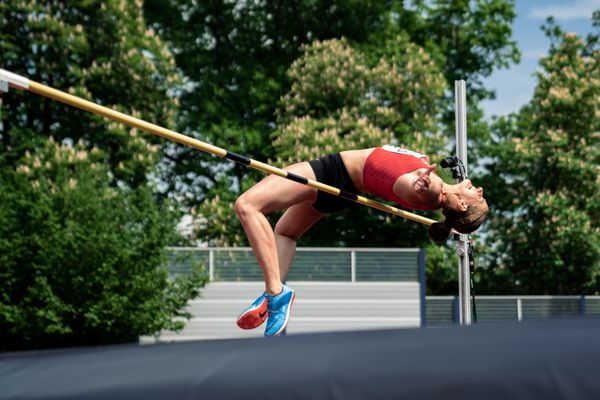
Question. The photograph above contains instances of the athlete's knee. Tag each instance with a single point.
(244, 206)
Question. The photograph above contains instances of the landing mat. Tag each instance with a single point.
(546, 359)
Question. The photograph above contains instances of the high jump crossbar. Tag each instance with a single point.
(20, 82)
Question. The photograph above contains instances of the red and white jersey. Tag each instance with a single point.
(385, 165)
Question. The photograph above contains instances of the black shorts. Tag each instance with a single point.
(330, 170)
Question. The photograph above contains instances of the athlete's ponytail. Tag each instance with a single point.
(461, 221)
(439, 231)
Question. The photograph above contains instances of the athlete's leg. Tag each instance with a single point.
(296, 221)
(271, 194)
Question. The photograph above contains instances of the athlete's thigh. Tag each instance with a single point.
(276, 193)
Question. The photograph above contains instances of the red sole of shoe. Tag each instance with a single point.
(253, 318)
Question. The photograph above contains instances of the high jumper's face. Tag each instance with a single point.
(464, 195)
(470, 193)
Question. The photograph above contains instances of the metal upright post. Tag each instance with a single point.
(464, 288)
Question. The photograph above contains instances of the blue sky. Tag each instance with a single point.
(514, 86)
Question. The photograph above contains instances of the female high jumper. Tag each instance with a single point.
(395, 174)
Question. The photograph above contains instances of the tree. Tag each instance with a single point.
(545, 232)
(338, 99)
(101, 51)
(473, 37)
(81, 261)
(81, 247)
(470, 40)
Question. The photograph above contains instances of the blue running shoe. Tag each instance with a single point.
(279, 307)
(255, 315)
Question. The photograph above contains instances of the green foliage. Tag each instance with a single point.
(82, 236)
(305, 138)
(81, 261)
(338, 101)
(441, 270)
(545, 177)
(473, 37)
(329, 76)
(99, 50)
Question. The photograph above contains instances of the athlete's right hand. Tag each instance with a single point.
(423, 181)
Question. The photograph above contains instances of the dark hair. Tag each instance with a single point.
(461, 221)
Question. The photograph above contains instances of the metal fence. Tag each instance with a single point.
(355, 265)
(443, 310)
(237, 264)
